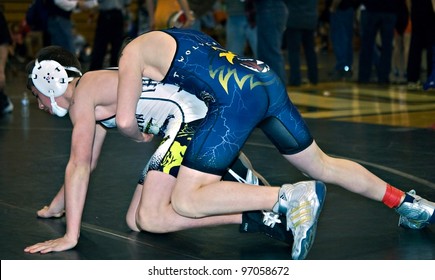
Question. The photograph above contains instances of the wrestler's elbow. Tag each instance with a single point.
(124, 124)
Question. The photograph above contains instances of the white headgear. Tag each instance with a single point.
(51, 79)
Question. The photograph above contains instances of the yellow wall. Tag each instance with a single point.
(165, 8)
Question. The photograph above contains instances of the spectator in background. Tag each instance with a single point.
(361, 16)
(241, 27)
(201, 9)
(430, 82)
(18, 47)
(6, 105)
(145, 20)
(379, 16)
(271, 19)
(342, 15)
(402, 38)
(301, 27)
(422, 38)
(323, 28)
(146, 16)
(59, 24)
(36, 23)
(109, 32)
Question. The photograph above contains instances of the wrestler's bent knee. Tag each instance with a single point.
(151, 222)
(131, 222)
(184, 206)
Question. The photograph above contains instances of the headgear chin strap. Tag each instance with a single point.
(51, 79)
(57, 110)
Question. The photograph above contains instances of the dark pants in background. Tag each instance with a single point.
(109, 31)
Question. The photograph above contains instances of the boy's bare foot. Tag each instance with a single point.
(47, 213)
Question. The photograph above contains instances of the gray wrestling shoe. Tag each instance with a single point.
(415, 215)
(301, 203)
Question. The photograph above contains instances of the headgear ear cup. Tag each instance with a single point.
(51, 79)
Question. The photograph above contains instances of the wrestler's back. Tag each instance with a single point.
(157, 50)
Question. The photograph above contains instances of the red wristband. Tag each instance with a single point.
(392, 196)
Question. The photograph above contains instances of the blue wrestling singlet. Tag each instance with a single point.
(240, 93)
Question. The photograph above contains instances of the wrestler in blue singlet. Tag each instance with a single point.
(241, 94)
